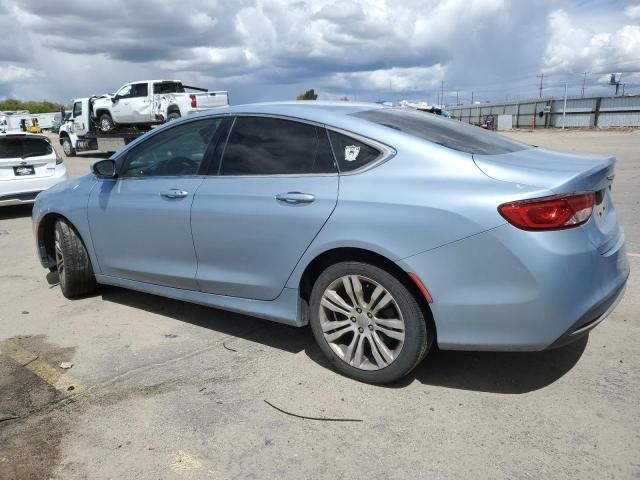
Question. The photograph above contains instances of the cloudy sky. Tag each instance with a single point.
(363, 49)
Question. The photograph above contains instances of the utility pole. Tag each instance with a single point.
(564, 108)
(471, 97)
(618, 85)
(442, 92)
(584, 81)
(458, 98)
(541, 76)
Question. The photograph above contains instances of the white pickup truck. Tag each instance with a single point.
(150, 102)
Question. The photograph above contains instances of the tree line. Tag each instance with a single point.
(33, 107)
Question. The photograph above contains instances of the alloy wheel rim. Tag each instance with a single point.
(361, 322)
(105, 124)
(59, 258)
(66, 146)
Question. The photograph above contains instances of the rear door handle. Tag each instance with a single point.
(174, 193)
(295, 197)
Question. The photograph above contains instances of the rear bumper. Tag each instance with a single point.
(591, 319)
(511, 290)
(18, 198)
(25, 190)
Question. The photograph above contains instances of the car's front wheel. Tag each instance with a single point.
(106, 123)
(69, 151)
(72, 262)
(367, 323)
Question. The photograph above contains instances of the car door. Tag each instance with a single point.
(121, 112)
(140, 221)
(81, 117)
(139, 106)
(265, 200)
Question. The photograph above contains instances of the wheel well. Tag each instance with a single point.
(63, 135)
(173, 109)
(337, 255)
(102, 112)
(46, 234)
(46, 237)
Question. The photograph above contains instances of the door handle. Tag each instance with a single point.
(174, 193)
(295, 197)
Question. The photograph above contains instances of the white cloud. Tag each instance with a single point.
(272, 49)
(573, 48)
(12, 73)
(633, 12)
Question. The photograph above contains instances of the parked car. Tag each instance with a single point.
(387, 230)
(151, 102)
(28, 165)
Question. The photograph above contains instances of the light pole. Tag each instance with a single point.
(564, 108)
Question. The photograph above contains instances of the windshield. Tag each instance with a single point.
(443, 131)
(23, 147)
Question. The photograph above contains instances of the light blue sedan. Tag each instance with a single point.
(387, 230)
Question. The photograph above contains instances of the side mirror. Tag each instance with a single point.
(105, 169)
(115, 98)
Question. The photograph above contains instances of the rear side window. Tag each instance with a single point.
(350, 153)
(24, 147)
(446, 132)
(272, 146)
(168, 87)
(140, 90)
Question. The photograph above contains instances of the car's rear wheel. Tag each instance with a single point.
(173, 116)
(72, 262)
(69, 151)
(367, 323)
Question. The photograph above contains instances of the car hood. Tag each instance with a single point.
(104, 100)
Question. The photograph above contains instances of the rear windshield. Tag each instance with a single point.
(443, 131)
(168, 87)
(23, 147)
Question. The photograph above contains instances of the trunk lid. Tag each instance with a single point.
(564, 173)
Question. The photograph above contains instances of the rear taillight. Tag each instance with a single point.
(194, 101)
(550, 213)
(58, 159)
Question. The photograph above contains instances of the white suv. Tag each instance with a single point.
(28, 165)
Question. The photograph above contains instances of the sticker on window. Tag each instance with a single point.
(351, 153)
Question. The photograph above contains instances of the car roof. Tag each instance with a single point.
(336, 114)
(23, 135)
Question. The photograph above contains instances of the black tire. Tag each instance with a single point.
(105, 122)
(418, 333)
(72, 262)
(67, 146)
(173, 116)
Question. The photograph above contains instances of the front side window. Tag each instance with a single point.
(125, 92)
(77, 109)
(178, 150)
(273, 146)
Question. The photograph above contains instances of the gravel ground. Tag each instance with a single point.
(165, 389)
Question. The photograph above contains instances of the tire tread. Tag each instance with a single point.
(80, 278)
